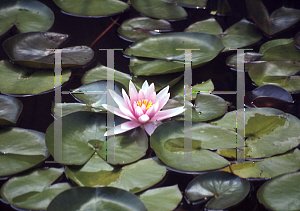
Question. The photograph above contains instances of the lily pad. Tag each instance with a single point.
(188, 3)
(83, 135)
(239, 35)
(21, 149)
(32, 191)
(94, 8)
(134, 178)
(224, 8)
(10, 110)
(19, 80)
(103, 198)
(168, 144)
(269, 167)
(40, 50)
(26, 15)
(278, 21)
(268, 131)
(297, 40)
(99, 73)
(225, 189)
(165, 198)
(281, 193)
(279, 73)
(159, 9)
(249, 60)
(137, 28)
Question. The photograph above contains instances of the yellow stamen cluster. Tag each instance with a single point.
(145, 102)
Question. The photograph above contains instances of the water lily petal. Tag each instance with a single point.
(126, 126)
(138, 112)
(133, 96)
(150, 127)
(144, 118)
(167, 113)
(162, 93)
(141, 95)
(163, 101)
(145, 86)
(149, 91)
(152, 98)
(127, 101)
(144, 108)
(151, 111)
(116, 111)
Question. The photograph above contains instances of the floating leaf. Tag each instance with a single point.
(279, 73)
(165, 198)
(20, 80)
(21, 149)
(268, 131)
(273, 43)
(83, 135)
(10, 110)
(26, 15)
(159, 9)
(278, 21)
(32, 191)
(297, 40)
(223, 8)
(137, 28)
(269, 167)
(94, 8)
(40, 50)
(225, 189)
(249, 57)
(188, 3)
(239, 35)
(135, 177)
(281, 193)
(103, 198)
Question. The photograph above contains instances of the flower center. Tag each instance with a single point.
(145, 102)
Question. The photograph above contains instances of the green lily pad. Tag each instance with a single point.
(26, 15)
(162, 47)
(249, 57)
(19, 80)
(278, 21)
(225, 189)
(281, 193)
(165, 198)
(99, 73)
(268, 131)
(10, 110)
(103, 198)
(83, 135)
(32, 191)
(268, 167)
(168, 144)
(159, 9)
(40, 50)
(297, 40)
(239, 35)
(21, 149)
(137, 28)
(188, 3)
(135, 177)
(279, 73)
(224, 8)
(94, 8)
(280, 50)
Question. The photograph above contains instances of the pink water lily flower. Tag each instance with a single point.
(142, 108)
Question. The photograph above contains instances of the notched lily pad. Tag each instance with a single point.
(21, 149)
(26, 190)
(137, 28)
(37, 50)
(223, 189)
(10, 110)
(26, 15)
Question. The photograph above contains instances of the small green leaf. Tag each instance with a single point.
(10, 110)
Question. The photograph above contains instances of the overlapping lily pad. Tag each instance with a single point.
(10, 110)
(165, 198)
(188, 3)
(21, 149)
(279, 73)
(26, 15)
(37, 50)
(168, 144)
(268, 131)
(159, 9)
(32, 191)
(225, 189)
(249, 60)
(135, 177)
(278, 21)
(94, 8)
(103, 198)
(281, 193)
(26, 81)
(269, 167)
(162, 48)
(137, 28)
(83, 135)
(239, 35)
